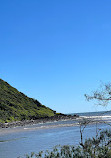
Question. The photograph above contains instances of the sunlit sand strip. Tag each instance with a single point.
(105, 116)
(53, 126)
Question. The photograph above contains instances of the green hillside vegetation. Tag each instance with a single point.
(15, 106)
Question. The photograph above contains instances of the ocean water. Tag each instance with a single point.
(15, 142)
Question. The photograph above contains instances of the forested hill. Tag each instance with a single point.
(15, 106)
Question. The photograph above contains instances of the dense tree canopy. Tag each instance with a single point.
(14, 105)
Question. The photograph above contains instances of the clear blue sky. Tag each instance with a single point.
(56, 50)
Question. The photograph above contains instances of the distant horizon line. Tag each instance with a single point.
(89, 112)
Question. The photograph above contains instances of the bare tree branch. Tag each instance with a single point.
(103, 96)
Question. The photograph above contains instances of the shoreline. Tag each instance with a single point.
(61, 117)
(43, 123)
